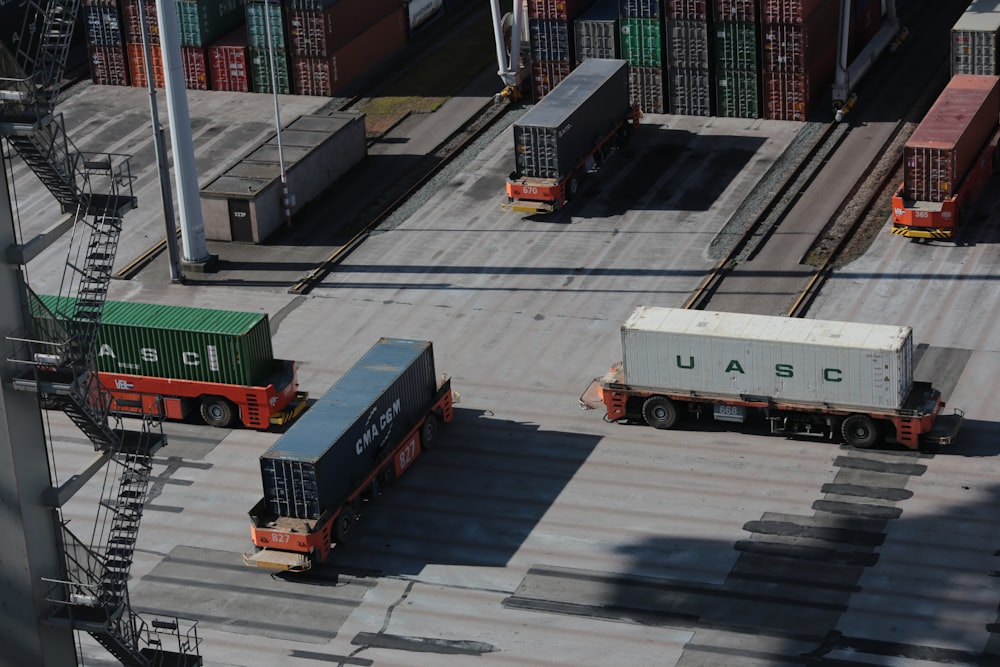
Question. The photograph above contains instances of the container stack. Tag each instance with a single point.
(105, 43)
(229, 62)
(641, 25)
(688, 72)
(596, 32)
(737, 66)
(974, 37)
(258, 23)
(199, 23)
(332, 42)
(551, 38)
(799, 52)
(132, 14)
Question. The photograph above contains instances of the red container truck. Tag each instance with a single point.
(948, 158)
(567, 135)
(364, 432)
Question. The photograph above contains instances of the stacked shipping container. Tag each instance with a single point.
(596, 32)
(229, 62)
(106, 42)
(689, 80)
(551, 41)
(974, 37)
(799, 51)
(201, 22)
(737, 64)
(258, 22)
(642, 47)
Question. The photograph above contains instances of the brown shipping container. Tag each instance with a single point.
(792, 95)
(866, 19)
(794, 11)
(323, 32)
(108, 66)
(137, 67)
(546, 75)
(229, 62)
(329, 75)
(794, 47)
(133, 27)
(556, 9)
(735, 10)
(195, 63)
(687, 9)
(950, 137)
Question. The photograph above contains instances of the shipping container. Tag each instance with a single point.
(687, 44)
(552, 137)
(794, 11)
(560, 10)
(639, 9)
(743, 11)
(687, 9)
(866, 19)
(260, 71)
(331, 75)
(550, 40)
(201, 22)
(795, 47)
(137, 65)
(642, 42)
(792, 95)
(596, 32)
(175, 342)
(258, 23)
(194, 61)
(229, 62)
(419, 12)
(736, 45)
(133, 25)
(974, 37)
(950, 137)
(104, 24)
(737, 93)
(782, 358)
(546, 75)
(109, 66)
(322, 31)
(322, 459)
(689, 91)
(645, 89)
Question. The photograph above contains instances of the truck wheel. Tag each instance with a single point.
(217, 411)
(427, 433)
(47, 402)
(345, 525)
(572, 187)
(659, 412)
(860, 431)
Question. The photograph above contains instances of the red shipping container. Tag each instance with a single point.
(794, 11)
(229, 62)
(791, 47)
(137, 67)
(195, 64)
(329, 75)
(546, 75)
(687, 9)
(866, 19)
(314, 32)
(948, 140)
(133, 26)
(792, 95)
(108, 66)
(556, 9)
(735, 10)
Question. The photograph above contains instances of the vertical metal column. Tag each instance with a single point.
(30, 548)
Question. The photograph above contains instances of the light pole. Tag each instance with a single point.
(285, 203)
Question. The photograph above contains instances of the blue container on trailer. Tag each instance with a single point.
(330, 450)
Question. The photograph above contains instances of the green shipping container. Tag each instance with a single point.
(736, 45)
(200, 344)
(201, 22)
(260, 71)
(737, 94)
(642, 42)
(257, 24)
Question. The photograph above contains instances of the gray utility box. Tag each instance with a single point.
(558, 132)
(743, 357)
(245, 203)
(332, 448)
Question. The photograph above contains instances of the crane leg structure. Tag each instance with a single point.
(509, 27)
(847, 75)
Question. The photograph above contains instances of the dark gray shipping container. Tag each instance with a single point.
(690, 91)
(332, 448)
(597, 32)
(561, 129)
(687, 43)
(645, 85)
(550, 40)
(640, 9)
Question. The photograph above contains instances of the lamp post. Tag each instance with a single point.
(285, 201)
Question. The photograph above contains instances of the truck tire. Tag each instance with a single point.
(344, 527)
(860, 431)
(48, 402)
(659, 412)
(427, 433)
(572, 187)
(217, 411)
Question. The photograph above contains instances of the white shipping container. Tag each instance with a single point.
(839, 364)
(974, 37)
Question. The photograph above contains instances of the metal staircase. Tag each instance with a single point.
(96, 188)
